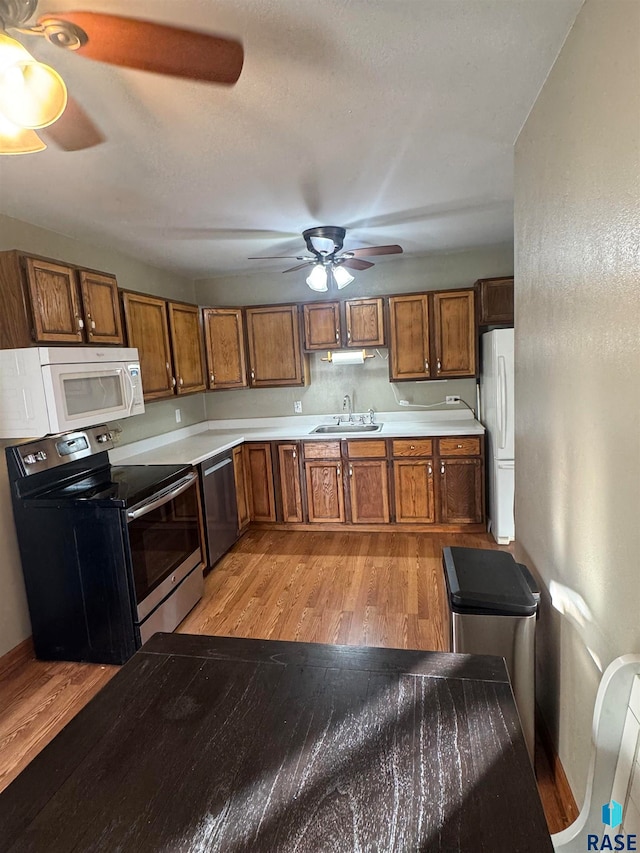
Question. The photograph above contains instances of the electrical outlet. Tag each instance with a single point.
(178, 416)
(452, 398)
(297, 407)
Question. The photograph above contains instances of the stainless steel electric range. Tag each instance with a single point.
(110, 555)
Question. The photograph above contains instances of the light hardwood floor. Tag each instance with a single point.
(376, 589)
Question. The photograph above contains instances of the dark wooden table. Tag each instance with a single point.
(220, 744)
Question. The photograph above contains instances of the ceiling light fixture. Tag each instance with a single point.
(32, 95)
(317, 278)
(342, 276)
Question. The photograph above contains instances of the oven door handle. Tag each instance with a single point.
(164, 498)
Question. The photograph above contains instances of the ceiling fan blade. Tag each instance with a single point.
(156, 47)
(74, 130)
(375, 250)
(357, 264)
(299, 267)
(281, 258)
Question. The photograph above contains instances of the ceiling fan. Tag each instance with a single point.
(327, 258)
(33, 95)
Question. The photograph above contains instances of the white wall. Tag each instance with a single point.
(577, 215)
(158, 418)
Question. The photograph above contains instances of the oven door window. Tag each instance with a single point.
(161, 540)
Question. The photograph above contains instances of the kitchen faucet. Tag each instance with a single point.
(347, 406)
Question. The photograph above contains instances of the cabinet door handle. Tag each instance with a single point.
(93, 324)
(412, 447)
(338, 470)
(212, 378)
(181, 382)
(253, 374)
(348, 334)
(80, 323)
(337, 335)
(351, 470)
(173, 381)
(442, 468)
(439, 365)
(430, 470)
(426, 366)
(294, 455)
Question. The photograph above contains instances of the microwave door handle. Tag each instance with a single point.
(133, 391)
(154, 503)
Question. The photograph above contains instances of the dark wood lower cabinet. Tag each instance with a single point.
(414, 491)
(461, 491)
(325, 491)
(369, 492)
(260, 479)
(290, 491)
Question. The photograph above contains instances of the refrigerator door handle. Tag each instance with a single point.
(502, 402)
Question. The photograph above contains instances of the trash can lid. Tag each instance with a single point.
(486, 582)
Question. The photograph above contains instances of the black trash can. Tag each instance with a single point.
(493, 605)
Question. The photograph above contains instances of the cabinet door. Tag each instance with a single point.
(186, 341)
(461, 491)
(414, 491)
(224, 337)
(147, 329)
(325, 491)
(288, 458)
(101, 308)
(260, 479)
(55, 302)
(409, 337)
(275, 357)
(495, 301)
(321, 325)
(455, 333)
(365, 323)
(241, 487)
(369, 492)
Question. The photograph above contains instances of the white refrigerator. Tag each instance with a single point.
(497, 410)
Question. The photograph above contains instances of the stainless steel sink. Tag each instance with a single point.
(338, 428)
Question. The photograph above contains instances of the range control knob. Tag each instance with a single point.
(29, 459)
(103, 437)
(41, 456)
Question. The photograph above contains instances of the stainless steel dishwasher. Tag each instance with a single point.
(220, 507)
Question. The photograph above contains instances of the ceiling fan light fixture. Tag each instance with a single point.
(18, 140)
(317, 278)
(342, 277)
(32, 95)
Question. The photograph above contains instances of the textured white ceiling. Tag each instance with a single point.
(393, 118)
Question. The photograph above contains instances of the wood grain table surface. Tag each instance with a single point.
(224, 744)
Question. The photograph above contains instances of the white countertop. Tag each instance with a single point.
(195, 444)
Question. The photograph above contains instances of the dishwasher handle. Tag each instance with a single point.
(217, 466)
(162, 497)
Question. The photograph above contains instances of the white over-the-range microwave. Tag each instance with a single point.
(54, 389)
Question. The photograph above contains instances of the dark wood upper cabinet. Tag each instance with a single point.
(225, 347)
(455, 336)
(47, 301)
(432, 335)
(409, 340)
(322, 328)
(186, 343)
(365, 322)
(495, 301)
(361, 326)
(275, 354)
(148, 330)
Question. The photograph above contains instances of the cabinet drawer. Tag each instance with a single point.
(459, 447)
(367, 449)
(413, 447)
(321, 449)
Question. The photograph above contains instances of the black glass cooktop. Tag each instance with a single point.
(123, 485)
